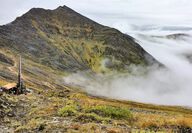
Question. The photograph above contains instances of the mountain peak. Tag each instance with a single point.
(62, 14)
(65, 40)
(65, 7)
(62, 10)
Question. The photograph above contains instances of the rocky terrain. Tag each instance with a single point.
(56, 43)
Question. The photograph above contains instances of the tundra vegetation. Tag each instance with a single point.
(56, 43)
(67, 110)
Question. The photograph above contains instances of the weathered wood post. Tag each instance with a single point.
(19, 78)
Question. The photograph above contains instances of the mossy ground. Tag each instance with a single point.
(68, 111)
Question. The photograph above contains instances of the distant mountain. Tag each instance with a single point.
(179, 36)
(57, 42)
(176, 36)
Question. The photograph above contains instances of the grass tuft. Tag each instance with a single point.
(112, 112)
(90, 117)
(68, 110)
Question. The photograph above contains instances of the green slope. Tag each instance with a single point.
(64, 41)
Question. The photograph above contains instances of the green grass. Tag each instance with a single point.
(68, 110)
(90, 117)
(95, 113)
(112, 112)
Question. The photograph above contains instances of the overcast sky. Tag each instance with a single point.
(116, 13)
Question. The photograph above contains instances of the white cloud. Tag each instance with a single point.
(170, 86)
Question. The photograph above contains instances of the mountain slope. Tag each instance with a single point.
(64, 40)
(55, 43)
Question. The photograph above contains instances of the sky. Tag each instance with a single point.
(114, 13)
(142, 19)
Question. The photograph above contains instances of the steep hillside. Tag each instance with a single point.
(55, 43)
(64, 40)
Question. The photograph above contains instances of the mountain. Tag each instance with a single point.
(56, 43)
(61, 41)
(178, 36)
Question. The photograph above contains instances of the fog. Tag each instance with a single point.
(170, 86)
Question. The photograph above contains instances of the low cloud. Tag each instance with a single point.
(170, 86)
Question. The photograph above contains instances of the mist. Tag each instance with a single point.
(149, 22)
(154, 85)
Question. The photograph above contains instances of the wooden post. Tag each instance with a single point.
(19, 77)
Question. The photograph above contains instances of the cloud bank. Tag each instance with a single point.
(171, 86)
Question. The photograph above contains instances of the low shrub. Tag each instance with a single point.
(42, 127)
(90, 117)
(112, 112)
(68, 110)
